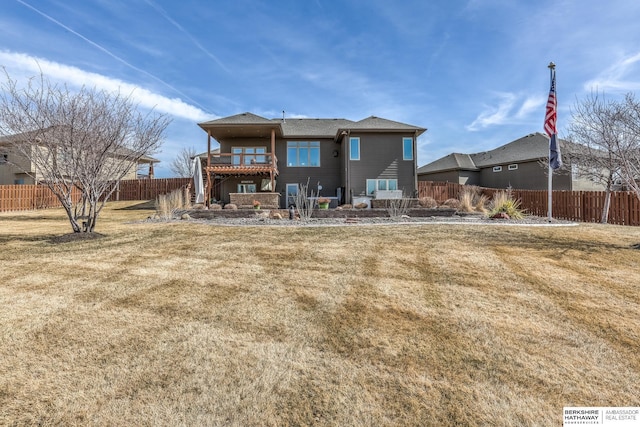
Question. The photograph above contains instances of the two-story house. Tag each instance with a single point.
(18, 169)
(339, 159)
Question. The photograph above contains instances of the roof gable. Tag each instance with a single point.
(453, 161)
(374, 123)
(239, 119)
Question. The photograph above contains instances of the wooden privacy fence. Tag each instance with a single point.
(29, 197)
(147, 189)
(583, 206)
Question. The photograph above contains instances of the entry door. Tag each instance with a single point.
(292, 192)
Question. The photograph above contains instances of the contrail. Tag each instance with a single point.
(166, 16)
(114, 56)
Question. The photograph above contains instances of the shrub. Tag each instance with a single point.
(481, 203)
(428, 202)
(168, 205)
(231, 206)
(504, 203)
(452, 203)
(472, 201)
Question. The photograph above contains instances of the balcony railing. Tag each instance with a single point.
(251, 163)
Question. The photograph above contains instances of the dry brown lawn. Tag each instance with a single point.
(194, 324)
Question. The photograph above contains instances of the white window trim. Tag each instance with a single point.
(377, 181)
(405, 139)
(512, 167)
(354, 138)
(497, 168)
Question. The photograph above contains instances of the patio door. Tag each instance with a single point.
(292, 192)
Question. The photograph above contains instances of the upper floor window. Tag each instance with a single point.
(4, 158)
(512, 167)
(497, 168)
(407, 148)
(303, 153)
(354, 148)
(248, 155)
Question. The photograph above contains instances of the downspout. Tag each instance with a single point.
(273, 159)
(209, 189)
(347, 172)
(415, 165)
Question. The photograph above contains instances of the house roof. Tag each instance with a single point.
(321, 128)
(531, 147)
(379, 124)
(453, 161)
(528, 148)
(248, 125)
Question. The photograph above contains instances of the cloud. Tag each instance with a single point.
(613, 78)
(494, 115)
(26, 66)
(103, 49)
(507, 111)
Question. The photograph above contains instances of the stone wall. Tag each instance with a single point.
(245, 200)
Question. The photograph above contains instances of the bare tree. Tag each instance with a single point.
(181, 166)
(85, 139)
(628, 148)
(595, 130)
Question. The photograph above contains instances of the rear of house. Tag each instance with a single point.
(340, 159)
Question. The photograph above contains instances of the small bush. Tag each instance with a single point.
(472, 200)
(452, 203)
(231, 206)
(503, 203)
(481, 203)
(168, 205)
(427, 202)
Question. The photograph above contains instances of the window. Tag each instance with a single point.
(512, 167)
(303, 153)
(4, 158)
(248, 155)
(246, 188)
(354, 148)
(407, 148)
(497, 168)
(292, 192)
(381, 184)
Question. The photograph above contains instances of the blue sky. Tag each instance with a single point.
(474, 72)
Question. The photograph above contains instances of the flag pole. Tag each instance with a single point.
(551, 67)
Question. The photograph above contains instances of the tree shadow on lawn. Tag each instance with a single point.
(148, 205)
(64, 238)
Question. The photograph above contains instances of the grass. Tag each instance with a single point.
(192, 324)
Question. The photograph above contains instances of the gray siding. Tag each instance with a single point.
(381, 158)
(328, 174)
(528, 176)
(456, 176)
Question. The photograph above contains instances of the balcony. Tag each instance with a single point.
(242, 164)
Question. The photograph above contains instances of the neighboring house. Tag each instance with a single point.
(520, 164)
(340, 159)
(16, 169)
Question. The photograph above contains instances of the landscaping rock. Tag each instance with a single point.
(501, 215)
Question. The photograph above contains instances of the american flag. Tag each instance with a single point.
(555, 160)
